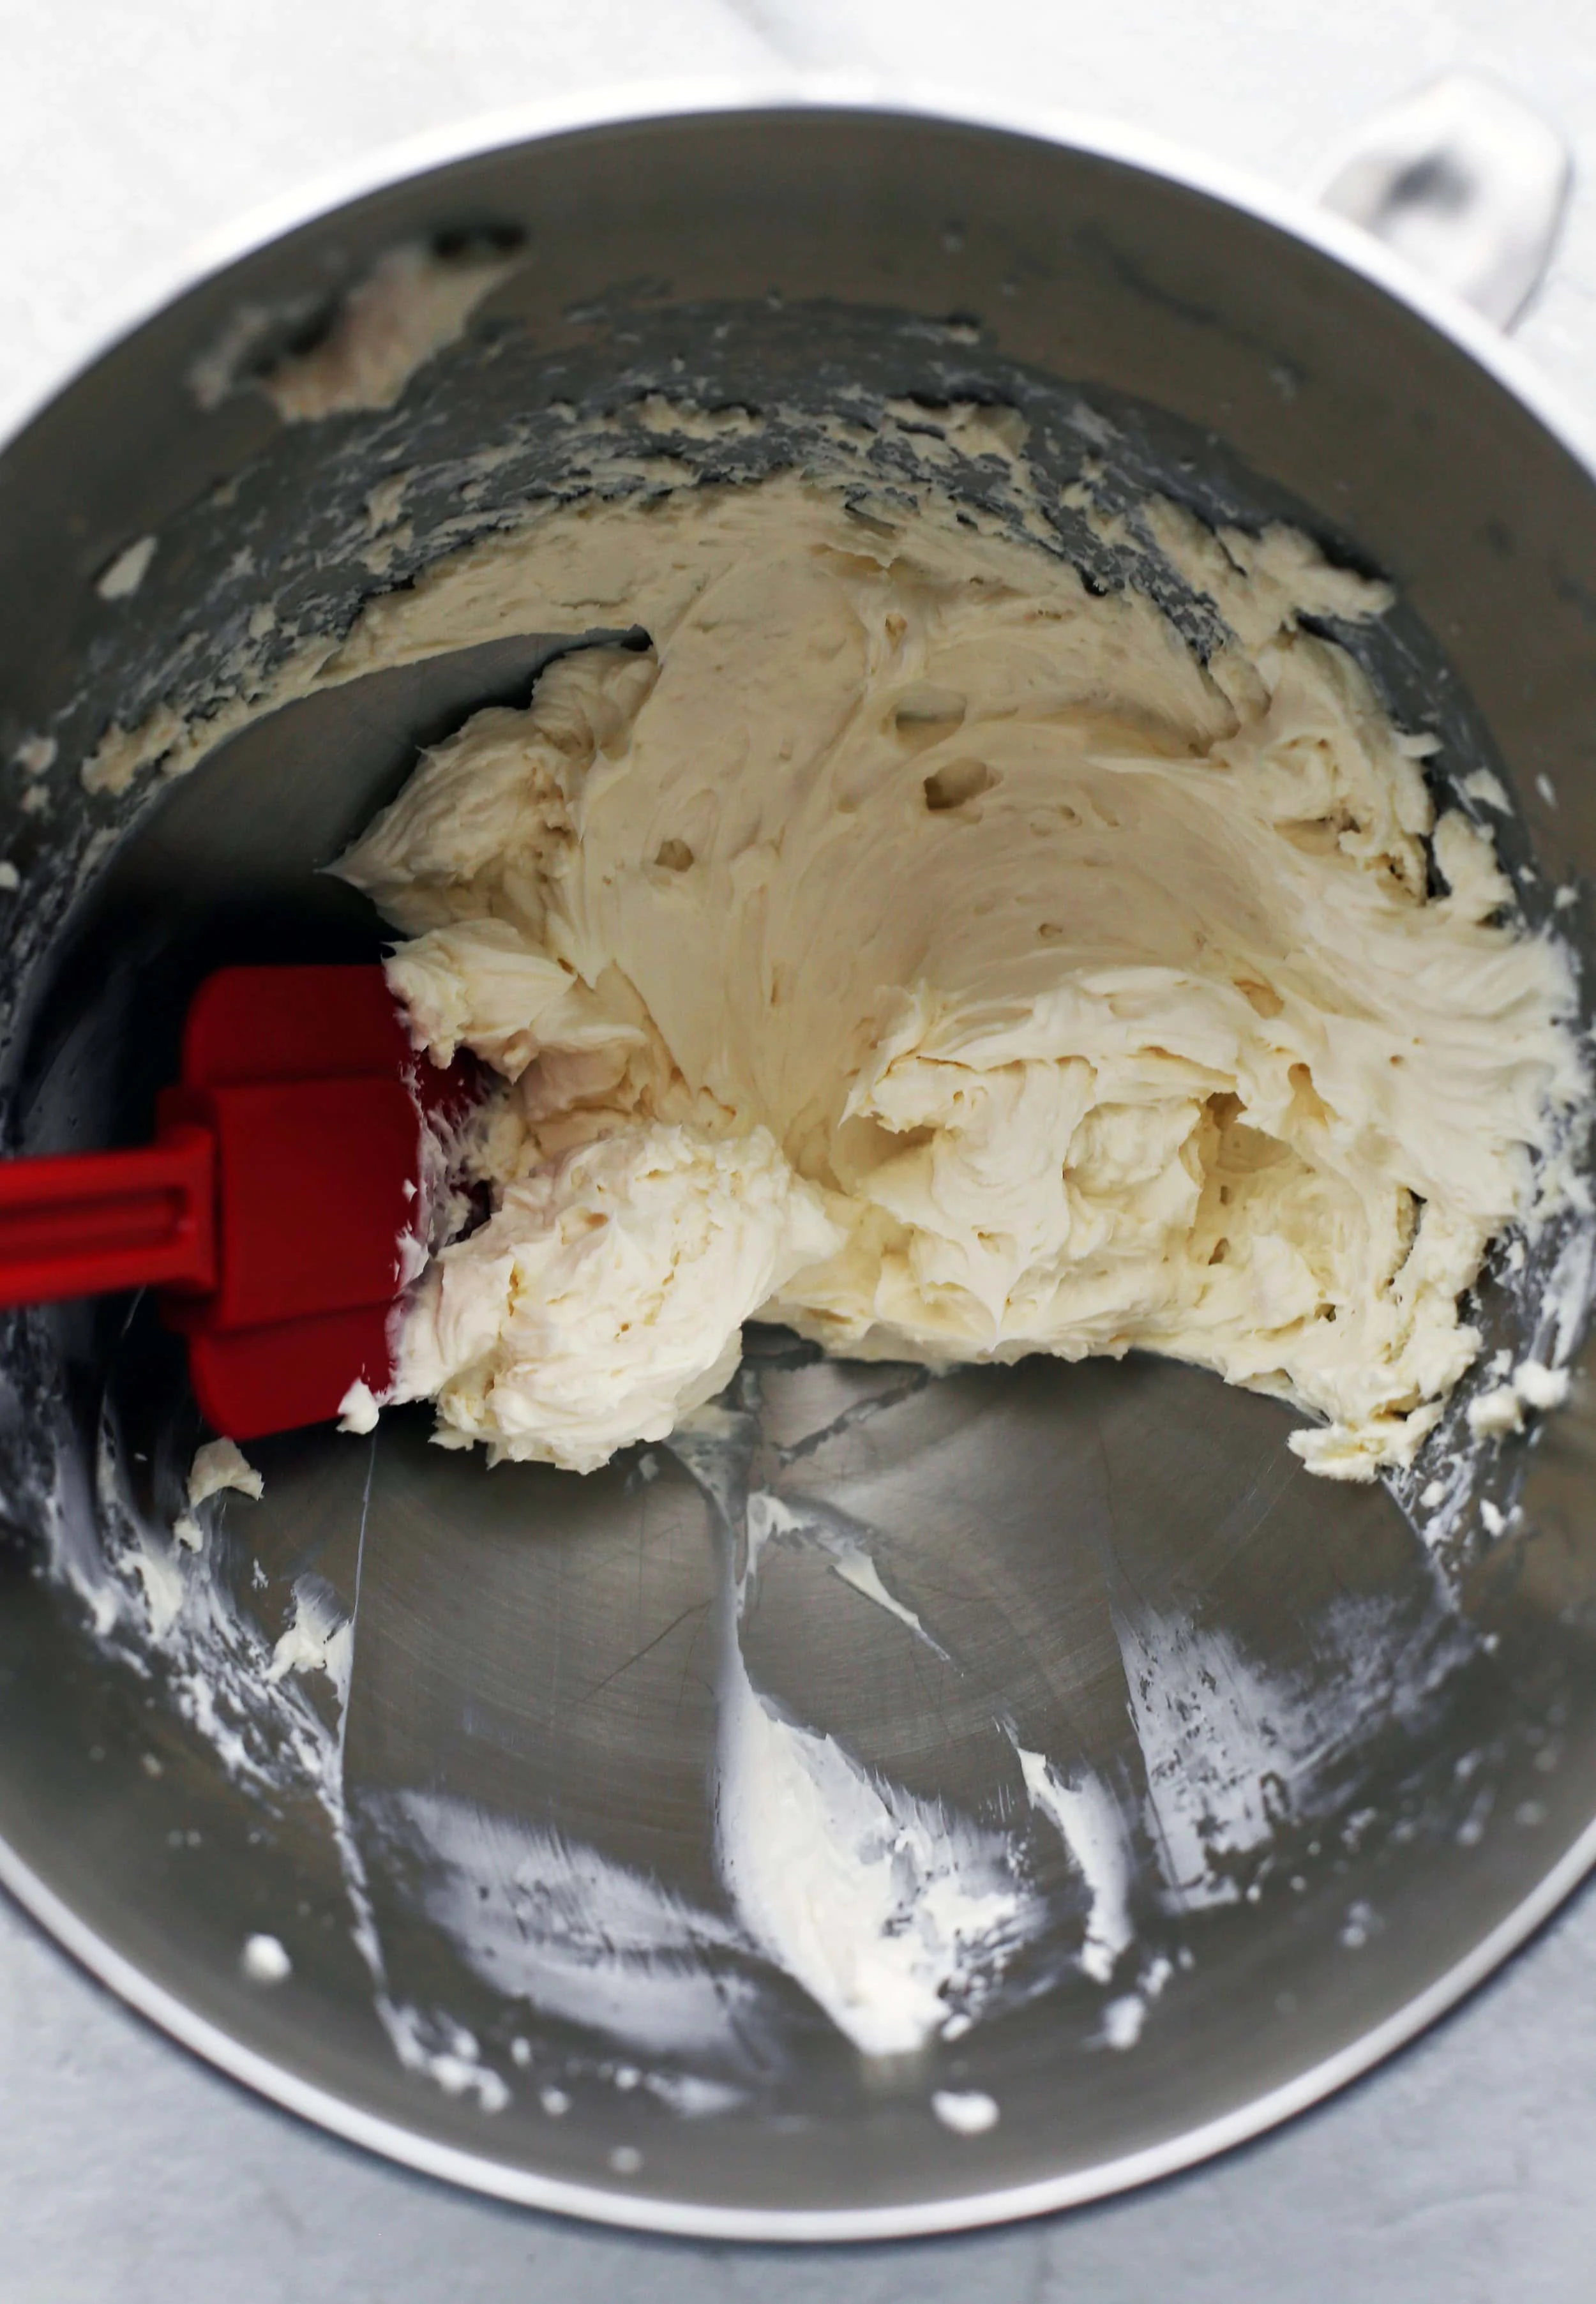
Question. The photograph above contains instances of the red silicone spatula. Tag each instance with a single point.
(272, 1208)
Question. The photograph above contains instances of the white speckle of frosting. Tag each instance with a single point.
(968, 2111)
(358, 1409)
(35, 755)
(221, 1464)
(10, 878)
(465, 2076)
(264, 1961)
(1487, 789)
(1547, 790)
(1494, 1413)
(1363, 1921)
(217, 1464)
(625, 2159)
(127, 571)
(445, 2052)
(1500, 1410)
(321, 1637)
(1123, 2020)
(1540, 1386)
(1492, 1519)
(555, 2102)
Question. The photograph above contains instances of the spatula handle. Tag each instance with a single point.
(87, 1224)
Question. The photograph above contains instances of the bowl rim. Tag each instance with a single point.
(624, 105)
(642, 2212)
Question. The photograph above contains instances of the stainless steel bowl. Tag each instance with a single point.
(1353, 1750)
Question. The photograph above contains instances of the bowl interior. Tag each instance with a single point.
(1318, 1755)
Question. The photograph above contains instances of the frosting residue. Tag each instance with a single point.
(916, 947)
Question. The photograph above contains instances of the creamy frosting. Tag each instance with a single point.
(217, 1464)
(916, 947)
(607, 1294)
(411, 305)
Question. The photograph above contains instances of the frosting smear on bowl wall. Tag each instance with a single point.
(914, 945)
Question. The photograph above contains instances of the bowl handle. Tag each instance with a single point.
(1466, 182)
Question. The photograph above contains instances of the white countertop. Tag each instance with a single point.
(1461, 2172)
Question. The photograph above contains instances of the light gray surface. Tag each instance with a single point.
(126, 2171)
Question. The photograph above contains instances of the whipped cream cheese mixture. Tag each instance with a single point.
(915, 946)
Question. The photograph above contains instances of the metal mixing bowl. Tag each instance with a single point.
(1352, 1738)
